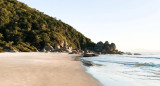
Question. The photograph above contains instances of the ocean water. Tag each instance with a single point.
(126, 70)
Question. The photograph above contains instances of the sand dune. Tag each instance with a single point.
(42, 69)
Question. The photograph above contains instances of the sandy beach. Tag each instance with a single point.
(43, 69)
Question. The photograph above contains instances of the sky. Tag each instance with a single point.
(130, 24)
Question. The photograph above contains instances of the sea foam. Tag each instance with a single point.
(126, 70)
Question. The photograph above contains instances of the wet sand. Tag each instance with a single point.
(43, 69)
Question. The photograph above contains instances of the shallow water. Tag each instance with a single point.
(127, 70)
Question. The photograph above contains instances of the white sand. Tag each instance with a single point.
(42, 69)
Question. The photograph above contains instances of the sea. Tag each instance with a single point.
(126, 70)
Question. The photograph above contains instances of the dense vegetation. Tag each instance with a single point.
(26, 29)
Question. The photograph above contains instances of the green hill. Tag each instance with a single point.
(26, 29)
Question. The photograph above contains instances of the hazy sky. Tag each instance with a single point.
(131, 24)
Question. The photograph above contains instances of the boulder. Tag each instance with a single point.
(69, 49)
(137, 54)
(99, 52)
(64, 45)
(90, 55)
(99, 46)
(112, 47)
(43, 50)
(106, 48)
(128, 53)
(10, 50)
(49, 48)
(57, 48)
(86, 51)
(13, 51)
(106, 43)
(74, 52)
(89, 63)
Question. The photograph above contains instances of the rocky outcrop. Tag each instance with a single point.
(64, 44)
(106, 48)
(112, 47)
(63, 47)
(99, 46)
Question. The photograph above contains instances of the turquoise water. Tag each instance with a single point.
(126, 70)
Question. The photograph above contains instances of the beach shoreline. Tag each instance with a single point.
(43, 69)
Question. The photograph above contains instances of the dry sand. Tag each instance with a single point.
(43, 69)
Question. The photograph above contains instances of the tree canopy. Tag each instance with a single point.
(27, 29)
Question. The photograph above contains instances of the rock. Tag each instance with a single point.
(43, 50)
(112, 47)
(90, 55)
(89, 63)
(128, 53)
(99, 46)
(82, 51)
(99, 52)
(57, 48)
(64, 45)
(87, 55)
(13, 51)
(86, 51)
(69, 49)
(48, 48)
(106, 43)
(10, 50)
(137, 54)
(106, 48)
(95, 54)
(121, 53)
(74, 52)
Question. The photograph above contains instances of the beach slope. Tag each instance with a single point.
(43, 69)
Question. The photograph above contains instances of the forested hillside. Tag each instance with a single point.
(26, 29)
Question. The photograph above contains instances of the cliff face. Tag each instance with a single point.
(26, 29)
